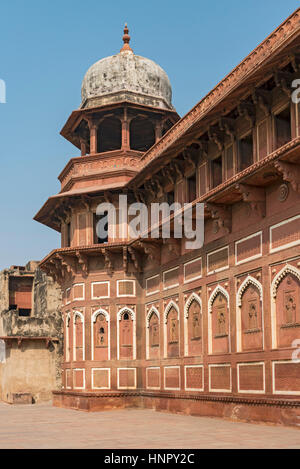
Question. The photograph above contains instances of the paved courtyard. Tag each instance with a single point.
(43, 426)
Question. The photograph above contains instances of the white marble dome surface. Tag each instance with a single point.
(126, 77)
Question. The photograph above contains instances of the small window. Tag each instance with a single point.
(217, 171)
(191, 188)
(245, 152)
(126, 317)
(97, 219)
(283, 127)
(24, 312)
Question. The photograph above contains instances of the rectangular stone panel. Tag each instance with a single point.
(153, 378)
(251, 378)
(78, 291)
(218, 260)
(172, 377)
(126, 288)
(126, 378)
(152, 285)
(220, 378)
(100, 290)
(248, 248)
(193, 270)
(171, 278)
(285, 234)
(79, 378)
(101, 378)
(286, 378)
(194, 378)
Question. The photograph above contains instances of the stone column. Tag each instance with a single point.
(125, 132)
(83, 147)
(93, 137)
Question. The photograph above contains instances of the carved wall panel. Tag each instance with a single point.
(126, 336)
(101, 339)
(172, 333)
(220, 325)
(154, 337)
(288, 311)
(251, 319)
(194, 329)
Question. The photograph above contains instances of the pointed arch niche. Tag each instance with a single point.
(126, 334)
(152, 333)
(285, 307)
(100, 335)
(249, 316)
(193, 326)
(218, 321)
(67, 338)
(78, 337)
(171, 330)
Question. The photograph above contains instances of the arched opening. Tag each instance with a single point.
(142, 134)
(78, 337)
(194, 328)
(172, 332)
(287, 309)
(218, 321)
(101, 339)
(249, 316)
(126, 335)
(109, 135)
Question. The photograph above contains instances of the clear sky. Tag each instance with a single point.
(46, 48)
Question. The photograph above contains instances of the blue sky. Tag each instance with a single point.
(46, 48)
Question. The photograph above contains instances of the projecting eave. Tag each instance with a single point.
(273, 53)
(46, 215)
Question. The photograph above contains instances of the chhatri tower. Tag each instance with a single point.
(147, 322)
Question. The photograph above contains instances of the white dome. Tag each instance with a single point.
(126, 77)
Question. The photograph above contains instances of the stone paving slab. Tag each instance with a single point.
(44, 426)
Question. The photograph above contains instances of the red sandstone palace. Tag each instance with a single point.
(148, 323)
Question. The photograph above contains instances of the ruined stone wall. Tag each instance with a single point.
(32, 367)
(29, 373)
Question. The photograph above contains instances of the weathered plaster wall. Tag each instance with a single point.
(31, 368)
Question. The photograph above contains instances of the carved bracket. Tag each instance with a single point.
(262, 99)
(188, 158)
(217, 137)
(108, 260)
(222, 214)
(152, 250)
(247, 111)
(283, 81)
(255, 197)
(227, 125)
(290, 173)
(136, 259)
(174, 246)
(83, 262)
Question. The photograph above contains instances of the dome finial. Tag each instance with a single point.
(126, 40)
